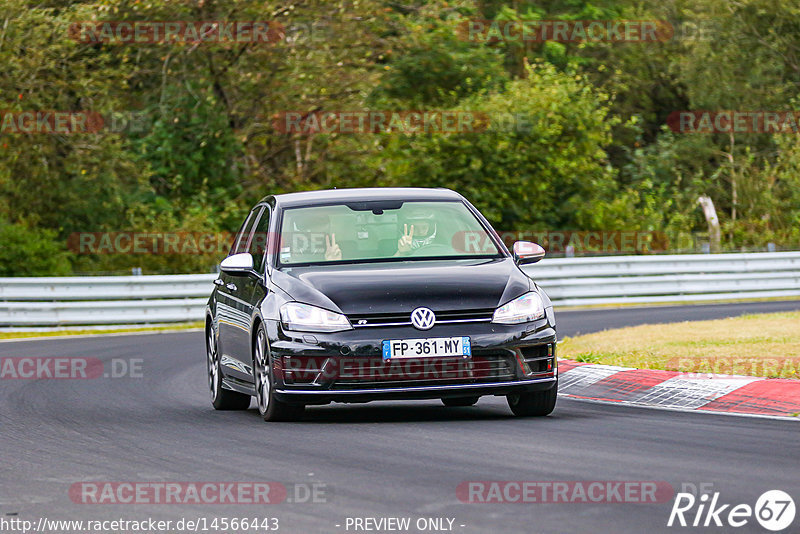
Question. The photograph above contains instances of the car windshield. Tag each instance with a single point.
(382, 231)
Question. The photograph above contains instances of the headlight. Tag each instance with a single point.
(307, 318)
(528, 307)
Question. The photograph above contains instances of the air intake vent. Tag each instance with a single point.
(539, 358)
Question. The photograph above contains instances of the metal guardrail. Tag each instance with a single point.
(103, 300)
(106, 287)
(679, 278)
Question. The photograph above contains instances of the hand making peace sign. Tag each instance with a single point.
(332, 250)
(404, 243)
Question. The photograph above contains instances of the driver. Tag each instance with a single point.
(419, 231)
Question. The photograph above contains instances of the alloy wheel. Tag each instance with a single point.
(263, 380)
(213, 365)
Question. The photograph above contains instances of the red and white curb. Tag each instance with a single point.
(653, 388)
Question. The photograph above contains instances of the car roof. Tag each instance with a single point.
(310, 198)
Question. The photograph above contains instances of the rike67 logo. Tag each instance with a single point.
(774, 510)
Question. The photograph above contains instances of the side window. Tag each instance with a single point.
(260, 240)
(240, 243)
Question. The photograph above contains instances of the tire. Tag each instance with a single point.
(534, 403)
(270, 408)
(459, 401)
(221, 398)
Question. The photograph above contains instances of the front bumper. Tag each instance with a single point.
(306, 396)
(505, 359)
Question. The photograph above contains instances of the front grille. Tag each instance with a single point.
(404, 319)
(375, 373)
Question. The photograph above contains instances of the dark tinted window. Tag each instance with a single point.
(240, 244)
(259, 242)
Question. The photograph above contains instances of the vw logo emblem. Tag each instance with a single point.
(423, 318)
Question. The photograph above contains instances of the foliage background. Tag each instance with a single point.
(194, 145)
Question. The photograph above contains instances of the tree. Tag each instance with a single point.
(539, 163)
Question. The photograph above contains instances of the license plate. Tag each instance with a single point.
(434, 347)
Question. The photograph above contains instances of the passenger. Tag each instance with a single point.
(419, 231)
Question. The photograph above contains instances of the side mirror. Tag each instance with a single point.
(237, 264)
(527, 252)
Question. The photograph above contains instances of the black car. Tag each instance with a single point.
(356, 295)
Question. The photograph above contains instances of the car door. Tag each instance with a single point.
(250, 290)
(234, 310)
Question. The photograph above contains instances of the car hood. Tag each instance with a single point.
(401, 287)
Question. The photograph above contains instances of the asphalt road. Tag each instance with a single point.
(373, 460)
(571, 323)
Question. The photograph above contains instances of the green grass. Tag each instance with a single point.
(757, 345)
(98, 332)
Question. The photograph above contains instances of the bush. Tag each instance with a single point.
(31, 252)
